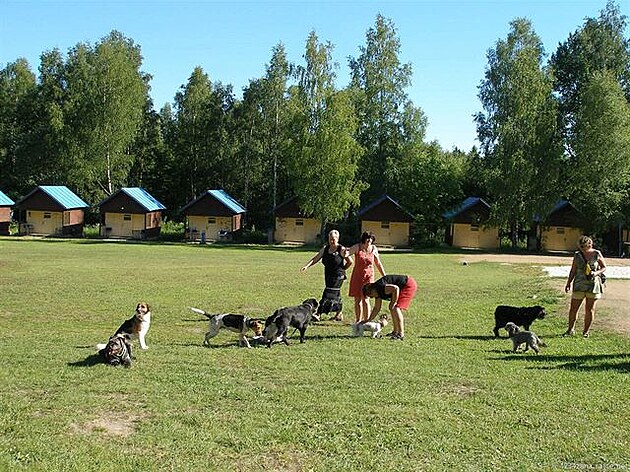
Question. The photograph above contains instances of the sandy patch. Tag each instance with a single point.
(111, 425)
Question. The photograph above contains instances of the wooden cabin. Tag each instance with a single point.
(213, 216)
(131, 213)
(561, 228)
(51, 210)
(467, 228)
(5, 214)
(292, 226)
(389, 222)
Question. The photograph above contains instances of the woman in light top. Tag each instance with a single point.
(585, 275)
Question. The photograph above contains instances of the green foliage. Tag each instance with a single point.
(517, 130)
(172, 231)
(17, 100)
(200, 138)
(87, 122)
(388, 122)
(599, 45)
(325, 154)
(449, 397)
(430, 184)
(601, 141)
(106, 98)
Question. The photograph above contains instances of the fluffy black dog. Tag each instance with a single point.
(299, 317)
(520, 316)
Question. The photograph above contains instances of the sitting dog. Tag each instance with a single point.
(299, 317)
(117, 351)
(523, 337)
(136, 326)
(233, 322)
(375, 327)
(520, 316)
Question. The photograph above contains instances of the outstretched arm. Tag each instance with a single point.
(313, 259)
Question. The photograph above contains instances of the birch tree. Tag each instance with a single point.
(325, 154)
(517, 130)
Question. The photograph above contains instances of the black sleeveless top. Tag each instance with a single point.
(334, 272)
(379, 285)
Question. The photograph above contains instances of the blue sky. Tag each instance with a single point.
(445, 40)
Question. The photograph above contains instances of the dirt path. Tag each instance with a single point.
(613, 310)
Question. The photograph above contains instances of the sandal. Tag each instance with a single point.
(569, 332)
(585, 335)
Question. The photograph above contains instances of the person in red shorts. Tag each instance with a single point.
(399, 290)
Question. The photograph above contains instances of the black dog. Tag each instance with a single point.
(117, 351)
(299, 317)
(520, 316)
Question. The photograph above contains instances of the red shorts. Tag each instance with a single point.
(407, 293)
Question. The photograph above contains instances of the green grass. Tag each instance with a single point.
(449, 397)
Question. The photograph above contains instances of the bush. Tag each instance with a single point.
(250, 236)
(91, 231)
(172, 231)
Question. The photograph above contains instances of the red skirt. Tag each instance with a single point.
(406, 294)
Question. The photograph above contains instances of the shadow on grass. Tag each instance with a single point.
(583, 363)
(89, 361)
(463, 336)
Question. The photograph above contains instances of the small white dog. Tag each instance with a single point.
(375, 327)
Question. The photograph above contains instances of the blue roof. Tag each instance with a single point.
(228, 201)
(4, 200)
(64, 196)
(144, 198)
(465, 205)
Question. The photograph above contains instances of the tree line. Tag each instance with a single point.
(549, 128)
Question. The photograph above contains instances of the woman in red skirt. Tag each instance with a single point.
(399, 290)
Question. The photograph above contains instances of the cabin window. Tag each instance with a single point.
(384, 224)
(560, 230)
(126, 217)
(47, 215)
(474, 227)
(212, 220)
(299, 222)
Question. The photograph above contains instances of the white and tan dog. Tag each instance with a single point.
(375, 327)
(137, 326)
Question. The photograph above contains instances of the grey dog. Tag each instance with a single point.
(519, 337)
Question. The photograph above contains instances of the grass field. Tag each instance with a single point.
(449, 397)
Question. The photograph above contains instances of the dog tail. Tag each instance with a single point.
(201, 312)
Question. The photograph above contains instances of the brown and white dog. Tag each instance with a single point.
(137, 326)
(233, 322)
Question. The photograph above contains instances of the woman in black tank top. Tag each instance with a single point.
(336, 260)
